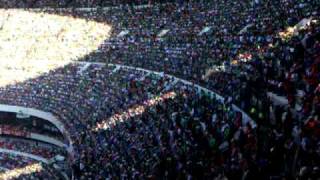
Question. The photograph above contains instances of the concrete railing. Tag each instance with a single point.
(43, 115)
(221, 99)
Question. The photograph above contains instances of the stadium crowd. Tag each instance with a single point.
(245, 44)
(31, 147)
(75, 3)
(26, 132)
(129, 124)
(21, 167)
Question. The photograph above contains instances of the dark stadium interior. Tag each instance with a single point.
(27, 125)
(130, 124)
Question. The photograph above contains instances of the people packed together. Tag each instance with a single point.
(127, 123)
(24, 168)
(31, 147)
(72, 3)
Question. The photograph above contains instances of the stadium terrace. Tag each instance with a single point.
(142, 89)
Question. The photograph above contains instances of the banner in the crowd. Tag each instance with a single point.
(204, 30)
(302, 24)
(163, 32)
(123, 33)
(245, 29)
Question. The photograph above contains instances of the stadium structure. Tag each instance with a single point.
(93, 89)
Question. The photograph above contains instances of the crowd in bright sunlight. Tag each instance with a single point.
(43, 42)
(175, 121)
(184, 131)
(24, 168)
(129, 124)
